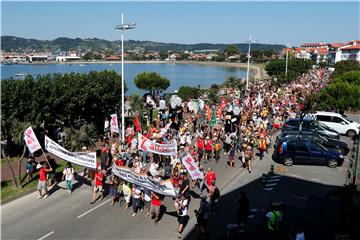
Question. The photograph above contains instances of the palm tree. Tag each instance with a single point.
(86, 136)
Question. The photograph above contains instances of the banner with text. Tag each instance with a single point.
(80, 158)
(114, 123)
(31, 141)
(162, 187)
(150, 146)
(191, 167)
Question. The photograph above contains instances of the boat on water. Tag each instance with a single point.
(21, 74)
(82, 65)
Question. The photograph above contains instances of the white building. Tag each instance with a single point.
(67, 58)
(349, 52)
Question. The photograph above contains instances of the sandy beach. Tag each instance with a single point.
(257, 71)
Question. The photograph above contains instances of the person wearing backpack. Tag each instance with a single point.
(274, 221)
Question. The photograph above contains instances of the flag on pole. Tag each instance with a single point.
(31, 141)
(213, 118)
(136, 124)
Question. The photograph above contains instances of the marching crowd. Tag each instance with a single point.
(237, 131)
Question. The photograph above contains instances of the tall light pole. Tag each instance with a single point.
(287, 57)
(248, 63)
(123, 27)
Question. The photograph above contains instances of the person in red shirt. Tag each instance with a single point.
(200, 148)
(42, 185)
(98, 186)
(155, 206)
(208, 149)
(210, 176)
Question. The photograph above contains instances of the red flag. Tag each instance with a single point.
(136, 123)
(223, 103)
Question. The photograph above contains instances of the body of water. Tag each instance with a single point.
(178, 74)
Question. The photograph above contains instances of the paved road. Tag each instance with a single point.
(70, 216)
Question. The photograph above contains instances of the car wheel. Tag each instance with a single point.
(350, 133)
(332, 163)
(288, 161)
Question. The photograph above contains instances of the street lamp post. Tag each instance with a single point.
(248, 63)
(123, 27)
(287, 57)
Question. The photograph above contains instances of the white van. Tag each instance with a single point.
(337, 122)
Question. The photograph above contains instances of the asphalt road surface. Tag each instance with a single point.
(301, 189)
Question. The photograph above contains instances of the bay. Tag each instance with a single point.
(178, 74)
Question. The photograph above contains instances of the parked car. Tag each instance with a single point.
(326, 142)
(291, 151)
(336, 121)
(310, 126)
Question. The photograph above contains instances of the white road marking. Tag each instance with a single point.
(275, 176)
(300, 197)
(273, 180)
(270, 184)
(89, 211)
(268, 189)
(45, 236)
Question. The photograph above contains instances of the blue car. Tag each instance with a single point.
(295, 150)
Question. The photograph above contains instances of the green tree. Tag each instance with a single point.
(186, 92)
(345, 66)
(163, 55)
(86, 136)
(61, 98)
(220, 57)
(296, 67)
(231, 50)
(151, 81)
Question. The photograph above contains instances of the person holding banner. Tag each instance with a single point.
(42, 184)
(155, 208)
(98, 186)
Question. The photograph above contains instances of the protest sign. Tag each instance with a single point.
(31, 141)
(153, 147)
(80, 158)
(162, 187)
(191, 167)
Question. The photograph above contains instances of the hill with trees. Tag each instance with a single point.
(18, 44)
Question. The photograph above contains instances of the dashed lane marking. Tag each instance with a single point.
(46, 235)
(92, 209)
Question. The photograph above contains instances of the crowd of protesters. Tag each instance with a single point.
(236, 131)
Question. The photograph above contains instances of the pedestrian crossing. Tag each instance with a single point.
(270, 181)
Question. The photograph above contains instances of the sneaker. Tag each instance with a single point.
(179, 235)
(69, 191)
(134, 214)
(45, 196)
(156, 222)
(141, 209)
(39, 197)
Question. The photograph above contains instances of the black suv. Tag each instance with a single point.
(294, 150)
(310, 126)
(326, 142)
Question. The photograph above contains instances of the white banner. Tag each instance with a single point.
(80, 158)
(114, 124)
(162, 187)
(150, 146)
(191, 167)
(31, 141)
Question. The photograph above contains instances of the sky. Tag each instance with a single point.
(187, 22)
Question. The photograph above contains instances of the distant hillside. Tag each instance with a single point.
(17, 44)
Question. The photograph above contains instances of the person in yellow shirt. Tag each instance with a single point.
(217, 148)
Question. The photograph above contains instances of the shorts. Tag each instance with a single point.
(41, 185)
(181, 219)
(208, 152)
(113, 191)
(98, 188)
